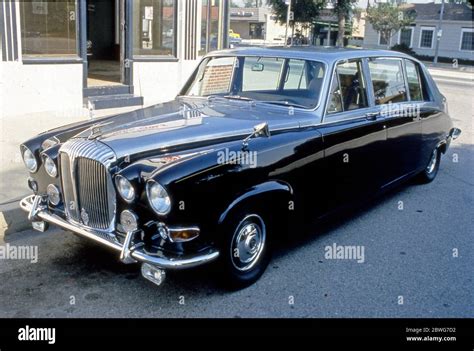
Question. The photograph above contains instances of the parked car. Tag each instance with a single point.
(233, 34)
(257, 141)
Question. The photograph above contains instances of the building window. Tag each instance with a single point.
(48, 28)
(154, 27)
(384, 38)
(426, 38)
(211, 37)
(405, 36)
(256, 30)
(467, 39)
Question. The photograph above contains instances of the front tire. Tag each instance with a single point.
(431, 170)
(245, 250)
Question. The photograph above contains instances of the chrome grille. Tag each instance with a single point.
(88, 191)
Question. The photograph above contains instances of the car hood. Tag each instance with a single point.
(186, 122)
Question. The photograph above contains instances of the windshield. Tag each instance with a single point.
(283, 81)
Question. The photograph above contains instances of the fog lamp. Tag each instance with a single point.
(54, 196)
(129, 221)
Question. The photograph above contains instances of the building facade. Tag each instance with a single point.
(456, 39)
(64, 55)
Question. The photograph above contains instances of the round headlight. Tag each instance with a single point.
(50, 167)
(158, 198)
(54, 195)
(125, 188)
(129, 221)
(30, 160)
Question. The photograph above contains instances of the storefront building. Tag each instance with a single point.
(62, 55)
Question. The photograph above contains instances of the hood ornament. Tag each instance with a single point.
(96, 130)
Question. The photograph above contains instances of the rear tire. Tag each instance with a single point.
(431, 170)
(245, 250)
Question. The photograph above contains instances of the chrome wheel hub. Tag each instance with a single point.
(248, 242)
(432, 164)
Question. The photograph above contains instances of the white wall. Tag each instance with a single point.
(160, 82)
(27, 88)
(448, 47)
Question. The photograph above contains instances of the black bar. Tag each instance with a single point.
(316, 333)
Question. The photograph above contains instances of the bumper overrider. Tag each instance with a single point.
(154, 264)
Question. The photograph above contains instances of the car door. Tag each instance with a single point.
(353, 134)
(432, 117)
(402, 149)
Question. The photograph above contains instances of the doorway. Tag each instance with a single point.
(104, 42)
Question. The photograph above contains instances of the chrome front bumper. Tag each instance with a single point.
(36, 211)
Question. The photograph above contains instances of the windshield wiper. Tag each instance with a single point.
(238, 97)
(230, 97)
(244, 98)
(282, 103)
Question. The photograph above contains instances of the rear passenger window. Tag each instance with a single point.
(414, 81)
(387, 80)
(348, 90)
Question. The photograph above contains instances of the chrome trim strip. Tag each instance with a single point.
(138, 253)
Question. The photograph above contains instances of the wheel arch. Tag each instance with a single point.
(279, 192)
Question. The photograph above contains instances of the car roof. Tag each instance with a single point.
(328, 54)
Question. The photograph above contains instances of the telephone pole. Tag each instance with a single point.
(439, 32)
(288, 2)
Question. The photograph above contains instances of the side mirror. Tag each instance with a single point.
(258, 130)
(262, 130)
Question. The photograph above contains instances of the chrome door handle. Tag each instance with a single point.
(371, 116)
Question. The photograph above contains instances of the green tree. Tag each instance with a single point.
(304, 11)
(342, 9)
(253, 3)
(387, 19)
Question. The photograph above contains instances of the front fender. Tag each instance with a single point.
(272, 189)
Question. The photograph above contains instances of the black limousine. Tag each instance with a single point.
(257, 141)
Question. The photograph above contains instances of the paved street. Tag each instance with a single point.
(410, 270)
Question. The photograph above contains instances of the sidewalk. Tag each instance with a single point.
(465, 73)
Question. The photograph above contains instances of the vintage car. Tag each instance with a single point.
(258, 141)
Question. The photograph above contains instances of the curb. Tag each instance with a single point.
(12, 218)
